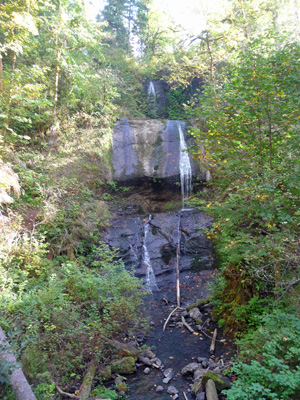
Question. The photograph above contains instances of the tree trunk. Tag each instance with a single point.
(9, 101)
(17, 380)
(1, 74)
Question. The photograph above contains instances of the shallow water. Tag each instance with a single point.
(175, 347)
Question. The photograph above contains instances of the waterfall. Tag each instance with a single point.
(177, 262)
(184, 167)
(150, 277)
(151, 90)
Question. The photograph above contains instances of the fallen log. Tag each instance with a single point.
(85, 388)
(13, 372)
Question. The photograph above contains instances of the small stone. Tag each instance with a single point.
(148, 353)
(147, 371)
(156, 361)
(145, 360)
(175, 397)
(195, 314)
(159, 389)
(169, 375)
(201, 359)
(204, 364)
(172, 390)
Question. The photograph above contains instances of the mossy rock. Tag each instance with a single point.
(198, 303)
(220, 384)
(122, 387)
(105, 374)
(124, 366)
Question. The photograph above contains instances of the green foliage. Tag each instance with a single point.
(105, 393)
(63, 316)
(176, 99)
(274, 373)
(250, 131)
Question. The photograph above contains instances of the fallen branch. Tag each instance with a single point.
(213, 343)
(167, 320)
(71, 396)
(185, 396)
(187, 325)
(13, 372)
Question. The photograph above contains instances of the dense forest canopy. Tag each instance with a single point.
(65, 78)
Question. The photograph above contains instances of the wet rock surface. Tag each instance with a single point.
(127, 234)
(148, 148)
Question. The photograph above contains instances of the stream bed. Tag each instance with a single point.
(176, 346)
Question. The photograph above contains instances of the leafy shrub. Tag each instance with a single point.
(103, 392)
(63, 317)
(275, 372)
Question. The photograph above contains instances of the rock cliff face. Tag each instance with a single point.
(127, 234)
(148, 148)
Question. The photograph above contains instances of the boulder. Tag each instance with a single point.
(105, 374)
(190, 369)
(124, 349)
(159, 389)
(121, 386)
(210, 389)
(218, 381)
(199, 373)
(196, 315)
(124, 366)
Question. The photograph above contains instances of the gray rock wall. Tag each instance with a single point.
(127, 234)
(147, 148)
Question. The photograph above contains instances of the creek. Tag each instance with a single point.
(156, 235)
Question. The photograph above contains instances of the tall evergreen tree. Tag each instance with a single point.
(125, 18)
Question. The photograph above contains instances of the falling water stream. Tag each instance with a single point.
(184, 167)
(151, 89)
(150, 277)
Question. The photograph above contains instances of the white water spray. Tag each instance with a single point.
(184, 167)
(151, 90)
(150, 277)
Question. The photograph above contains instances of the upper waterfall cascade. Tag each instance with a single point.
(151, 89)
(184, 167)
